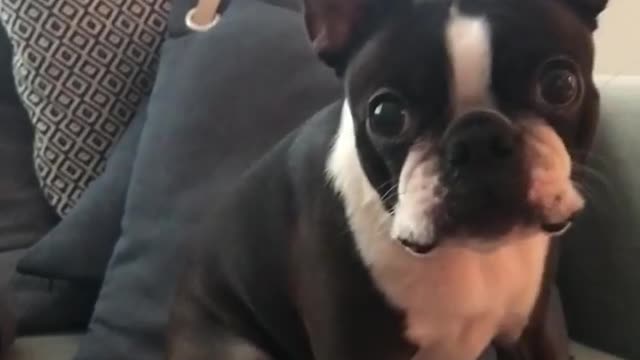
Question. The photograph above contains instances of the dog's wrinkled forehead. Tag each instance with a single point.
(443, 54)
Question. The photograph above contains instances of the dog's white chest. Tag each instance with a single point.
(459, 299)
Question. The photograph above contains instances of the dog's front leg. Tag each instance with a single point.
(198, 348)
(194, 334)
(210, 343)
(546, 336)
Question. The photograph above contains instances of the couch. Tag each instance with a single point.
(597, 273)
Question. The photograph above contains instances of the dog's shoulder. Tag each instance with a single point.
(309, 151)
(313, 141)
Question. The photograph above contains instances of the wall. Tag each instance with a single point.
(618, 39)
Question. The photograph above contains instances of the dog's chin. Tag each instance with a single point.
(482, 226)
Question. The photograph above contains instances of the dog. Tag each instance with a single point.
(416, 218)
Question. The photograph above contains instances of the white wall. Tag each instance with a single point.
(618, 39)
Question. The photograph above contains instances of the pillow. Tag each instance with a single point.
(78, 249)
(81, 68)
(218, 104)
(7, 88)
(45, 306)
(75, 253)
(93, 226)
(25, 215)
(7, 322)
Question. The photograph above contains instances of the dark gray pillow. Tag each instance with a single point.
(24, 213)
(46, 306)
(79, 248)
(61, 298)
(7, 86)
(93, 226)
(25, 216)
(221, 99)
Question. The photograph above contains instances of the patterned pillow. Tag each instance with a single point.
(81, 69)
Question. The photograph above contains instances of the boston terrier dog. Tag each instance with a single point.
(415, 218)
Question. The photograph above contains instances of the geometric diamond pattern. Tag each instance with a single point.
(81, 68)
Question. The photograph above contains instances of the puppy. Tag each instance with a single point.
(414, 219)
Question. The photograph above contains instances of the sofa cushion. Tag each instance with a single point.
(56, 347)
(7, 87)
(600, 269)
(61, 274)
(45, 306)
(92, 227)
(81, 70)
(25, 215)
(218, 104)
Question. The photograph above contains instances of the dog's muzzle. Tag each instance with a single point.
(483, 172)
(479, 144)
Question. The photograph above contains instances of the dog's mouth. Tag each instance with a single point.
(488, 225)
(485, 197)
(417, 249)
(555, 229)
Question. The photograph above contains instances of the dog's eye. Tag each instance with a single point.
(388, 116)
(559, 83)
(559, 87)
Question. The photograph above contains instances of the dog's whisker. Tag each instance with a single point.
(585, 191)
(590, 175)
(596, 187)
(597, 159)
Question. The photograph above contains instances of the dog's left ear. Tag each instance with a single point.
(338, 27)
(588, 10)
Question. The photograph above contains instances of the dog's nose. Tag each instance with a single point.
(479, 141)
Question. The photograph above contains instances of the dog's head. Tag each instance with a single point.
(466, 116)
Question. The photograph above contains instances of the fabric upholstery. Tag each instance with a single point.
(81, 69)
(25, 217)
(78, 249)
(600, 269)
(218, 104)
(24, 213)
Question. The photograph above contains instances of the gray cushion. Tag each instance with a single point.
(25, 216)
(59, 347)
(600, 272)
(219, 103)
(24, 213)
(93, 226)
(45, 306)
(61, 274)
(79, 248)
(7, 88)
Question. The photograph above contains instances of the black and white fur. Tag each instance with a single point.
(343, 244)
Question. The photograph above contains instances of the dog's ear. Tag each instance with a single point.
(337, 27)
(588, 10)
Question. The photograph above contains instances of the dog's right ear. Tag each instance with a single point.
(588, 10)
(336, 27)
